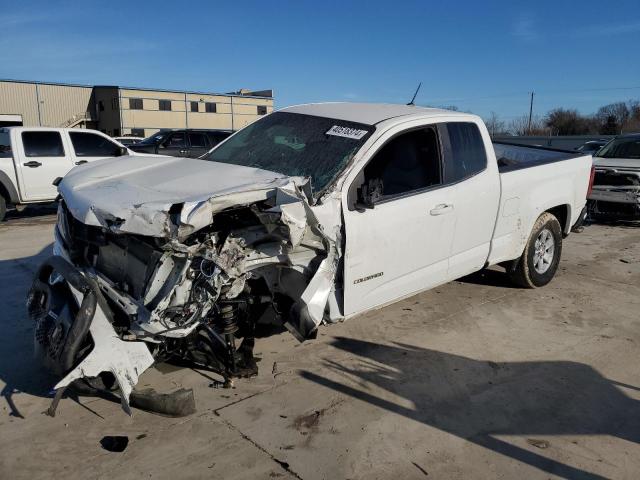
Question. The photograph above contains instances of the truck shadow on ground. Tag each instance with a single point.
(20, 372)
(478, 400)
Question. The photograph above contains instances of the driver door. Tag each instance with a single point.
(402, 245)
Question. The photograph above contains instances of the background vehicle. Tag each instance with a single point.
(31, 158)
(181, 143)
(591, 146)
(312, 214)
(126, 141)
(616, 187)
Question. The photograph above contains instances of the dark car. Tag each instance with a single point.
(181, 143)
(592, 146)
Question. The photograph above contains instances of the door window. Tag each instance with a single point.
(464, 152)
(176, 140)
(42, 144)
(90, 145)
(408, 163)
(198, 140)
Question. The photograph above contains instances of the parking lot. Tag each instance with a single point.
(475, 379)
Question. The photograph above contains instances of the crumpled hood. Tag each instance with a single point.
(622, 163)
(135, 194)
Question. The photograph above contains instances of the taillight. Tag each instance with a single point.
(591, 177)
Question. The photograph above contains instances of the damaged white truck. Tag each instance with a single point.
(311, 215)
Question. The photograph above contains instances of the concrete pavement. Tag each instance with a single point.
(474, 379)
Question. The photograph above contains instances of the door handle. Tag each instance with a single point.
(32, 164)
(80, 162)
(183, 151)
(441, 209)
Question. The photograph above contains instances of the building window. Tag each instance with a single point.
(135, 104)
(114, 103)
(210, 107)
(194, 106)
(165, 105)
(137, 132)
(262, 110)
(101, 106)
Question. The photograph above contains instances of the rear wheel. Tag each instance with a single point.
(539, 261)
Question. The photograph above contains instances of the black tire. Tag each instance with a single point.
(3, 208)
(539, 262)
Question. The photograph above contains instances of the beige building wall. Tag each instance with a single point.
(57, 103)
(152, 119)
(60, 103)
(20, 98)
(109, 108)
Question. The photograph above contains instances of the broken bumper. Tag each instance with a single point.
(69, 314)
(618, 202)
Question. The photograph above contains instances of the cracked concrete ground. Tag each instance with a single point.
(474, 379)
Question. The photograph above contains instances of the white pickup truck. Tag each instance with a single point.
(311, 215)
(31, 158)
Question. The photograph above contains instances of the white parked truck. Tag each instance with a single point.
(616, 186)
(31, 158)
(311, 215)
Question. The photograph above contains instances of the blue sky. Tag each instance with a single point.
(479, 56)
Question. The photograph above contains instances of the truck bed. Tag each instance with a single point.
(511, 156)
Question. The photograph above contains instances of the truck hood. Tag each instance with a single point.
(164, 196)
(622, 163)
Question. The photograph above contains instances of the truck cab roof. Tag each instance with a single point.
(370, 113)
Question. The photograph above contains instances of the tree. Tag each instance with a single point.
(494, 124)
(610, 126)
(520, 126)
(613, 114)
(567, 122)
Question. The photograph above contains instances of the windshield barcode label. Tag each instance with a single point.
(346, 132)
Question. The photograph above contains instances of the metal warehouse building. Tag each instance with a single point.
(127, 111)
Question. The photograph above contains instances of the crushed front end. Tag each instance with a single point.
(196, 285)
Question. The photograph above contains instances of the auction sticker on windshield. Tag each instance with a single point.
(346, 132)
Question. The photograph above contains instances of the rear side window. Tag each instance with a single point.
(90, 145)
(175, 140)
(464, 152)
(42, 144)
(5, 145)
(198, 140)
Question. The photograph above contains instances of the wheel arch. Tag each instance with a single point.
(7, 190)
(563, 214)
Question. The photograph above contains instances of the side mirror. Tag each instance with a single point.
(368, 194)
(122, 151)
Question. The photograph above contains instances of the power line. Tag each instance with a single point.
(538, 92)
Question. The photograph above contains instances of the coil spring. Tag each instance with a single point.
(228, 319)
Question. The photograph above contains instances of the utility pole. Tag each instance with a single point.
(530, 113)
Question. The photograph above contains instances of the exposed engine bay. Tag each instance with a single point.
(195, 282)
